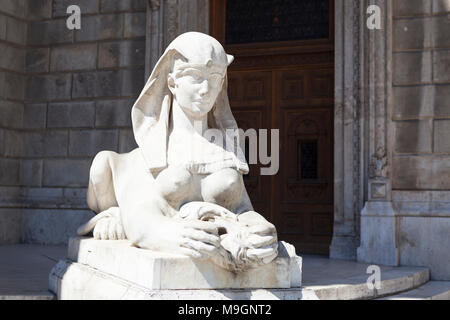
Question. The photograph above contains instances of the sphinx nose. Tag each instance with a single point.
(204, 88)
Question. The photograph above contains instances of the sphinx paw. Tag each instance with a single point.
(109, 228)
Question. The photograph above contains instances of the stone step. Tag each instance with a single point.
(432, 290)
(24, 270)
(29, 296)
(393, 280)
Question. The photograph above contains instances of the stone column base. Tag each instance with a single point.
(343, 247)
(378, 234)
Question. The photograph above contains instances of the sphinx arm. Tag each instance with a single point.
(101, 194)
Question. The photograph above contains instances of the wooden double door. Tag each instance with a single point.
(287, 85)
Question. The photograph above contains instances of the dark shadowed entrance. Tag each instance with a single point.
(283, 78)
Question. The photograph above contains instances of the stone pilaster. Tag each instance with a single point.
(378, 218)
(348, 174)
(166, 19)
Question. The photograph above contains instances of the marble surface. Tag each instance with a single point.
(162, 271)
(182, 190)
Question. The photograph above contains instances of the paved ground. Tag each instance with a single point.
(320, 270)
(24, 269)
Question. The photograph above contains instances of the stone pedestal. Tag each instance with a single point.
(100, 269)
(378, 234)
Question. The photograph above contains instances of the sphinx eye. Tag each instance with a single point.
(193, 73)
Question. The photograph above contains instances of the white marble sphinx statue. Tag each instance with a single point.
(179, 192)
(173, 219)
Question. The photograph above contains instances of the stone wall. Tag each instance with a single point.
(421, 116)
(66, 95)
(74, 94)
(13, 36)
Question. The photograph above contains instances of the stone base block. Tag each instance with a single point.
(75, 281)
(378, 234)
(118, 264)
(343, 247)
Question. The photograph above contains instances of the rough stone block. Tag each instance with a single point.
(135, 24)
(16, 31)
(2, 27)
(442, 136)
(10, 195)
(71, 114)
(404, 74)
(420, 243)
(121, 54)
(49, 32)
(442, 98)
(45, 144)
(51, 227)
(49, 87)
(10, 226)
(441, 66)
(113, 113)
(412, 34)
(66, 173)
(122, 5)
(2, 141)
(10, 172)
(89, 142)
(84, 85)
(413, 102)
(2, 84)
(13, 143)
(11, 114)
(101, 27)
(413, 136)
(86, 6)
(14, 87)
(97, 84)
(31, 173)
(101, 84)
(441, 6)
(441, 36)
(421, 173)
(411, 7)
(35, 116)
(13, 58)
(53, 198)
(39, 9)
(133, 80)
(74, 57)
(37, 60)
(76, 196)
(41, 194)
(16, 8)
(127, 142)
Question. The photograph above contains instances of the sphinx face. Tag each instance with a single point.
(195, 87)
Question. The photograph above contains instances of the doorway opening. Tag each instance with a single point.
(283, 78)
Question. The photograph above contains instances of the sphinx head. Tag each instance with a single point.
(198, 72)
